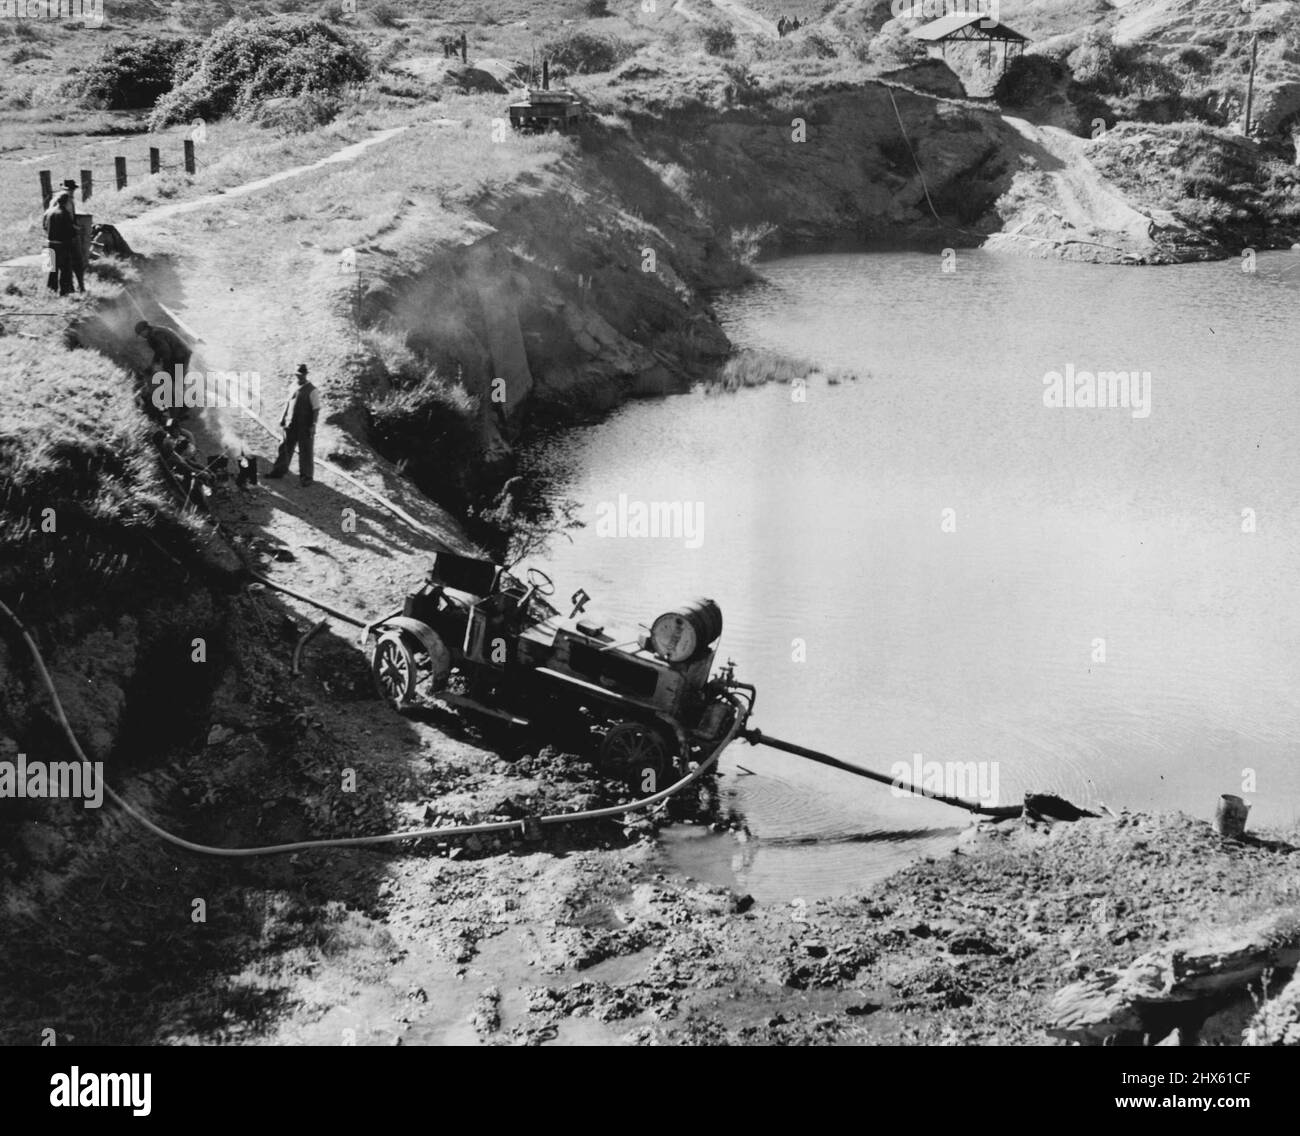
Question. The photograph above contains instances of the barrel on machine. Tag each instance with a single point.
(685, 633)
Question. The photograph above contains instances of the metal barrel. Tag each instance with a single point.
(704, 616)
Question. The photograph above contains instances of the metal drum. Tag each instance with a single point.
(686, 632)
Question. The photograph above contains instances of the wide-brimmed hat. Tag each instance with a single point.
(69, 184)
(302, 369)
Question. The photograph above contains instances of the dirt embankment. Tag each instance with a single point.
(592, 282)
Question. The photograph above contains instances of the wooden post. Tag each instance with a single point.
(47, 189)
(120, 164)
(464, 48)
(1250, 85)
(189, 155)
(87, 185)
(155, 160)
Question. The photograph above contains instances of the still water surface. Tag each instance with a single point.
(823, 525)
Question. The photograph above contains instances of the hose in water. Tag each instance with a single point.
(757, 737)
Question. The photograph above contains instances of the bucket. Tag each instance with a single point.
(1230, 816)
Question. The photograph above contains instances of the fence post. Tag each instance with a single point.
(87, 184)
(120, 163)
(464, 47)
(47, 189)
(189, 155)
(155, 160)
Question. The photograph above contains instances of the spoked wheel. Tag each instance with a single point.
(638, 755)
(394, 669)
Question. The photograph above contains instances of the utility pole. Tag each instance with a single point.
(1250, 85)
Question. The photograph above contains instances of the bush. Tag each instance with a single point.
(1028, 79)
(1093, 61)
(581, 53)
(719, 39)
(598, 9)
(300, 115)
(134, 74)
(434, 426)
(246, 62)
(1193, 58)
(385, 15)
(895, 48)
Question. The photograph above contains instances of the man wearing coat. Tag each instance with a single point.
(301, 411)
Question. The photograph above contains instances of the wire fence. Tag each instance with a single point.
(120, 178)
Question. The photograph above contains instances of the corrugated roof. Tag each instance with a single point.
(944, 26)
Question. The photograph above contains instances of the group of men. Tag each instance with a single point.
(63, 239)
(785, 25)
(298, 420)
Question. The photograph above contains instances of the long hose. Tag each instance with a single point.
(519, 826)
(757, 737)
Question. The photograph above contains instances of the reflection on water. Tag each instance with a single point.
(1099, 620)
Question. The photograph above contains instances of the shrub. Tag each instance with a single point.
(895, 48)
(134, 74)
(719, 39)
(1093, 62)
(244, 63)
(300, 115)
(434, 426)
(1028, 79)
(581, 53)
(598, 9)
(385, 15)
(1193, 58)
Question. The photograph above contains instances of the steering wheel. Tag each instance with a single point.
(540, 582)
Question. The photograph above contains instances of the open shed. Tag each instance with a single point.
(972, 28)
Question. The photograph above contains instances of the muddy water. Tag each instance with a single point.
(1093, 616)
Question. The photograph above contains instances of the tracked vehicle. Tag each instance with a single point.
(478, 639)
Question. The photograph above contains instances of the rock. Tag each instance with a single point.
(219, 734)
(861, 1010)
(815, 948)
(743, 903)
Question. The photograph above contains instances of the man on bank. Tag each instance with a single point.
(78, 260)
(301, 413)
(169, 352)
(169, 349)
(60, 236)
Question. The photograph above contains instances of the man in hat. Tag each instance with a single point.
(60, 235)
(78, 261)
(301, 412)
(169, 352)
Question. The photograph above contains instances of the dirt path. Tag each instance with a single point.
(1067, 202)
(726, 11)
(134, 228)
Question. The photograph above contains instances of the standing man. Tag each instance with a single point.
(301, 412)
(60, 236)
(78, 261)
